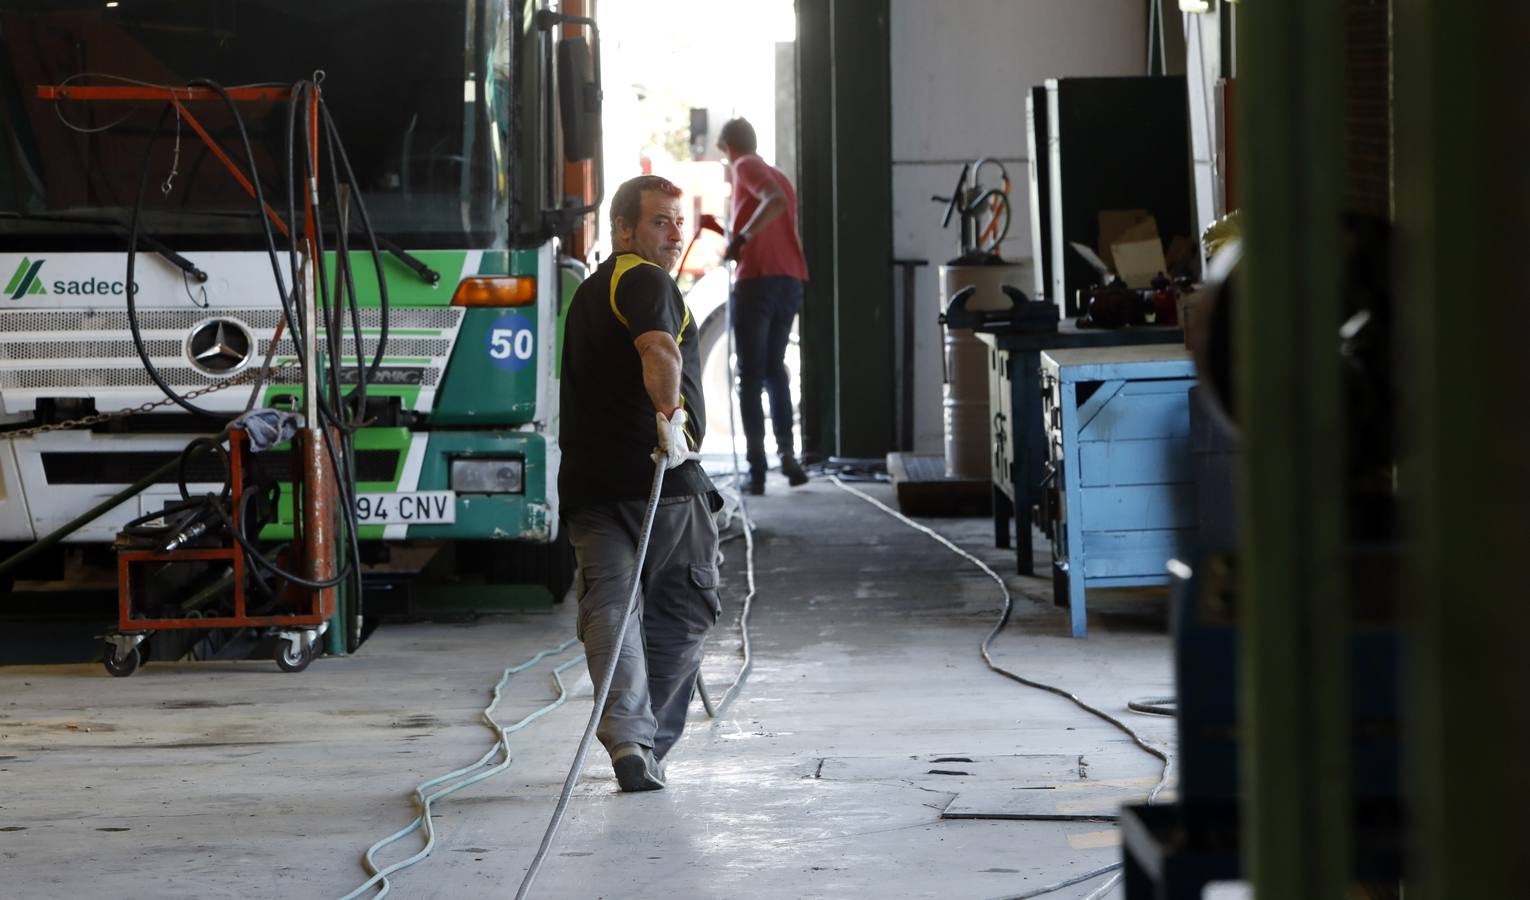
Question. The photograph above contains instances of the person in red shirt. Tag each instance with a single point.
(767, 294)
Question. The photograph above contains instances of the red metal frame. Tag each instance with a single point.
(176, 96)
(128, 559)
(142, 92)
(318, 559)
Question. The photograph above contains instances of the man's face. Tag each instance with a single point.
(656, 236)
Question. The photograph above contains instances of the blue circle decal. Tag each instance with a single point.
(512, 342)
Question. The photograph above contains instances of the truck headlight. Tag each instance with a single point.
(478, 475)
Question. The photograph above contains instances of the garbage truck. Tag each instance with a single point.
(459, 119)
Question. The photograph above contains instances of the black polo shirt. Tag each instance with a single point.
(607, 431)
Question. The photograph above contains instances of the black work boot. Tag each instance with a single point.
(793, 470)
(635, 768)
(756, 456)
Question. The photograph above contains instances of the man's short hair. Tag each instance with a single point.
(738, 134)
(627, 204)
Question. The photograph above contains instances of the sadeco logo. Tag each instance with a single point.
(25, 281)
(512, 342)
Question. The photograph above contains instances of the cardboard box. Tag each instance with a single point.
(1131, 246)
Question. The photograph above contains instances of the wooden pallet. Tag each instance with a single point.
(924, 488)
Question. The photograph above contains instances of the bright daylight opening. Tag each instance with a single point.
(674, 71)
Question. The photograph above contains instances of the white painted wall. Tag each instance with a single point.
(960, 69)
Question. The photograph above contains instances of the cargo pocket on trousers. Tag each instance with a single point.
(705, 579)
(580, 589)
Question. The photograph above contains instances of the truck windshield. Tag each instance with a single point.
(419, 91)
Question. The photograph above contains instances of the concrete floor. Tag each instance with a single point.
(233, 779)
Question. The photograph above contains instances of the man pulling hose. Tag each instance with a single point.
(631, 375)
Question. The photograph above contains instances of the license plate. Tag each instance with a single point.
(411, 508)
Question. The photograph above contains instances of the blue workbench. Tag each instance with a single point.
(1014, 401)
(1118, 439)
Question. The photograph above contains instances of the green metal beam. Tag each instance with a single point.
(863, 226)
(1294, 617)
(1463, 208)
(815, 195)
(845, 119)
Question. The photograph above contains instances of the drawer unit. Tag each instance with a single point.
(1118, 498)
(1001, 429)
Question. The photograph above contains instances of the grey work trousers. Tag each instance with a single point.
(678, 603)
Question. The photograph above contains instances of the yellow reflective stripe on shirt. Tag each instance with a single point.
(626, 263)
(690, 425)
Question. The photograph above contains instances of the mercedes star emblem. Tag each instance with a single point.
(219, 346)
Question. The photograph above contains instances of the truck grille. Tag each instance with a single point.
(29, 321)
(92, 349)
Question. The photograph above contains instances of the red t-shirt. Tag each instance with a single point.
(774, 249)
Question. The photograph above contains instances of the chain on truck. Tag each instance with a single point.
(178, 180)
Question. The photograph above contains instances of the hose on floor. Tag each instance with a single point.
(470, 775)
(1156, 752)
(1155, 706)
(714, 709)
(604, 688)
(747, 524)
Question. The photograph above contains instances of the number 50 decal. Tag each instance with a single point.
(512, 342)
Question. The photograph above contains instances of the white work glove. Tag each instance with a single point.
(673, 444)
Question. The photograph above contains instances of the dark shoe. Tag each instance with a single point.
(752, 484)
(793, 471)
(635, 768)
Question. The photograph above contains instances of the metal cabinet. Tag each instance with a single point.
(1118, 498)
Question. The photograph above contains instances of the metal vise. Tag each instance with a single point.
(1024, 314)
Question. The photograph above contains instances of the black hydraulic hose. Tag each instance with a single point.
(342, 458)
(299, 175)
(293, 103)
(189, 452)
(132, 292)
(260, 201)
(254, 554)
(133, 239)
(330, 305)
(366, 224)
(296, 324)
(358, 397)
(269, 494)
(333, 411)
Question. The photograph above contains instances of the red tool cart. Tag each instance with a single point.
(192, 576)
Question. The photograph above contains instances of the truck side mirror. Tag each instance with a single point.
(578, 100)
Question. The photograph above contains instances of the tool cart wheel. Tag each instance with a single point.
(127, 666)
(294, 659)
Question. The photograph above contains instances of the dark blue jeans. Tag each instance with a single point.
(763, 309)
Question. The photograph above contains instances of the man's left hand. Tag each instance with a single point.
(673, 443)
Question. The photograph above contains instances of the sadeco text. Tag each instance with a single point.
(91, 286)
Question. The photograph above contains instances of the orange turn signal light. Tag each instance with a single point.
(518, 290)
